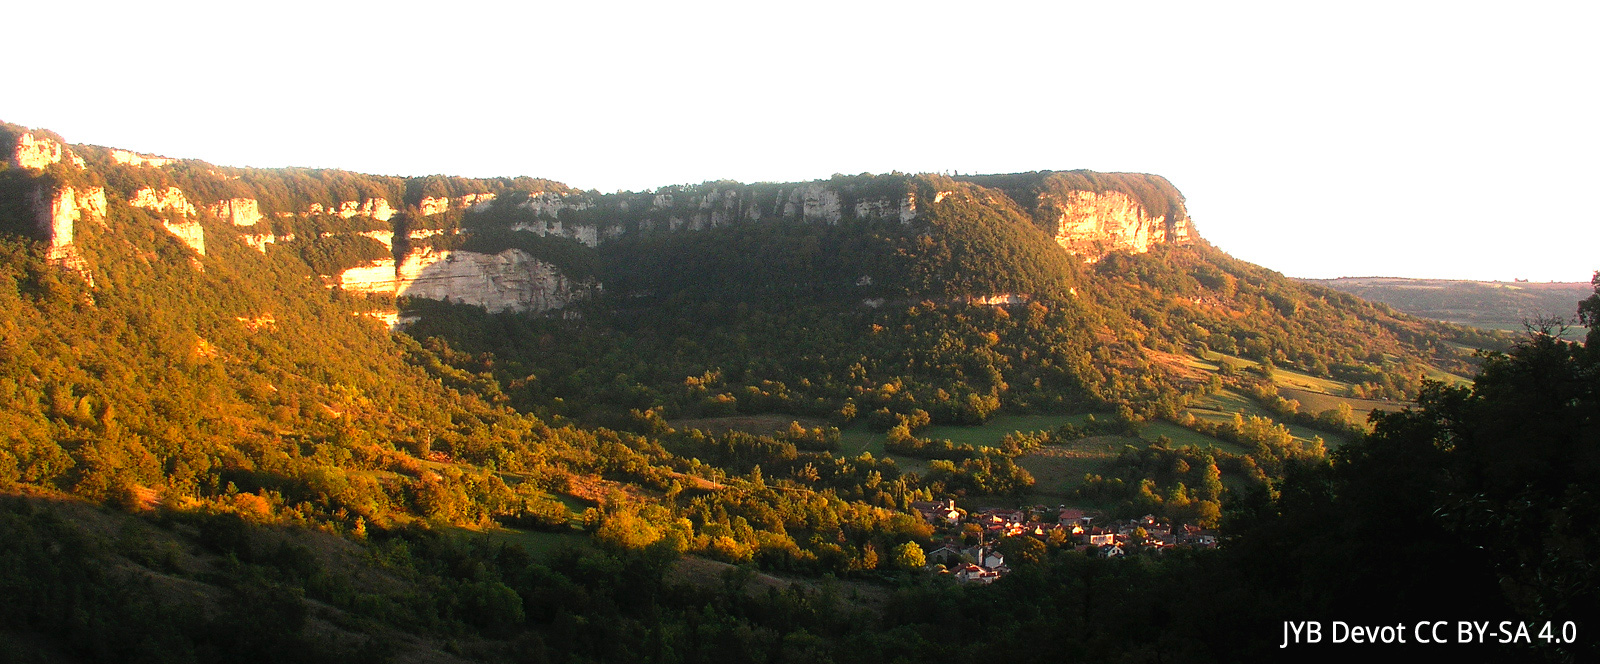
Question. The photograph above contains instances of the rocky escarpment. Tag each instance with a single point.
(127, 158)
(1092, 214)
(1092, 224)
(58, 211)
(37, 151)
(177, 214)
(237, 211)
(511, 280)
(435, 205)
(426, 222)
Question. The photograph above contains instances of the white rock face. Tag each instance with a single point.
(170, 200)
(814, 202)
(237, 211)
(508, 281)
(376, 208)
(134, 159)
(35, 151)
(1091, 224)
(58, 212)
(376, 277)
(1000, 298)
(550, 204)
(259, 242)
(584, 233)
(386, 237)
(903, 210)
(439, 205)
(189, 232)
(431, 206)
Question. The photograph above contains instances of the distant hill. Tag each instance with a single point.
(1491, 305)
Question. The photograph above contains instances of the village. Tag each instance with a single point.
(970, 543)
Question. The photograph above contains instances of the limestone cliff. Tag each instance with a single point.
(35, 152)
(1091, 224)
(237, 211)
(172, 202)
(376, 208)
(170, 199)
(439, 205)
(58, 210)
(1091, 214)
(189, 232)
(511, 280)
(1088, 214)
(127, 158)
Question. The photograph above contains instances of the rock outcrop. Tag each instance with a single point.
(189, 232)
(587, 234)
(376, 208)
(903, 210)
(58, 211)
(237, 211)
(172, 202)
(35, 152)
(170, 199)
(1092, 224)
(127, 158)
(814, 202)
(432, 205)
(511, 280)
(375, 277)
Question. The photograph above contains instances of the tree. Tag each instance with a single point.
(909, 556)
(1022, 550)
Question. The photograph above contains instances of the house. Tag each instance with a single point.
(1102, 539)
(1001, 516)
(938, 512)
(970, 573)
(948, 554)
(1069, 516)
(992, 559)
(1111, 551)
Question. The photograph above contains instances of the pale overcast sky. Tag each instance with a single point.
(1451, 139)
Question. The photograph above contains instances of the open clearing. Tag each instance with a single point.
(539, 544)
(1058, 469)
(990, 433)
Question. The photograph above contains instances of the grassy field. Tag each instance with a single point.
(1223, 405)
(857, 438)
(1294, 379)
(1316, 402)
(1434, 373)
(990, 433)
(539, 544)
(1058, 469)
(1181, 436)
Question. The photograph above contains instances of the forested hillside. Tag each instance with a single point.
(216, 447)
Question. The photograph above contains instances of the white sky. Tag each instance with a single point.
(1451, 139)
